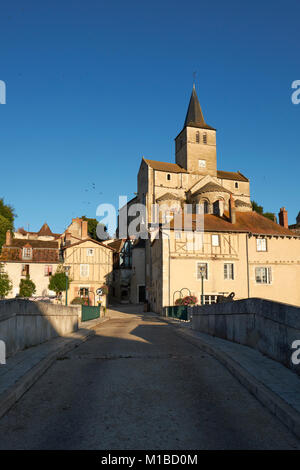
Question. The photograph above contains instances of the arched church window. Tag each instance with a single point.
(205, 207)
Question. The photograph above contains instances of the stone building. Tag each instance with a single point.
(91, 267)
(36, 254)
(237, 250)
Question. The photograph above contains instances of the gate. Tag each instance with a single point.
(178, 311)
(89, 313)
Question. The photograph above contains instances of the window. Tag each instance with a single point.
(27, 253)
(126, 255)
(177, 235)
(202, 163)
(25, 270)
(236, 184)
(197, 137)
(228, 271)
(168, 177)
(209, 299)
(205, 207)
(202, 268)
(205, 138)
(48, 270)
(261, 244)
(263, 275)
(90, 251)
(84, 270)
(215, 240)
(83, 292)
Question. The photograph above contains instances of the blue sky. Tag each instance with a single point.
(92, 86)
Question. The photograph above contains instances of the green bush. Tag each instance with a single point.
(5, 283)
(27, 287)
(78, 301)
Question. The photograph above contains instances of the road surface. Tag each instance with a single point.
(138, 385)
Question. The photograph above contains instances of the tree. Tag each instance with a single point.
(7, 211)
(270, 215)
(92, 228)
(257, 208)
(7, 216)
(27, 287)
(5, 283)
(260, 210)
(58, 282)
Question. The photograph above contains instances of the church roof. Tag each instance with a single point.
(231, 175)
(240, 203)
(212, 188)
(194, 115)
(45, 230)
(165, 166)
(169, 197)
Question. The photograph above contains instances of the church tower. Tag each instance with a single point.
(195, 145)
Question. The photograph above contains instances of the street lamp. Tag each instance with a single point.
(67, 269)
(202, 272)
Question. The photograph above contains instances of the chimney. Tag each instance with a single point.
(84, 229)
(283, 217)
(8, 240)
(232, 210)
(68, 238)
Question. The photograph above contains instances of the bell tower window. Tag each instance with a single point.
(205, 138)
(198, 137)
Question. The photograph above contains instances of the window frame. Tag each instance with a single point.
(230, 272)
(24, 271)
(213, 237)
(88, 250)
(48, 272)
(87, 266)
(24, 255)
(203, 161)
(268, 271)
(258, 241)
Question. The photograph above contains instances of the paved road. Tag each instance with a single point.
(137, 385)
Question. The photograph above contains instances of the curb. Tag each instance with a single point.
(275, 404)
(14, 393)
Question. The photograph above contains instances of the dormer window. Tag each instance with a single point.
(27, 253)
(198, 137)
(205, 138)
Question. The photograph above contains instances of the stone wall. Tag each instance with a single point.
(24, 323)
(270, 327)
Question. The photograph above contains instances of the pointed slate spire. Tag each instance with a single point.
(194, 115)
